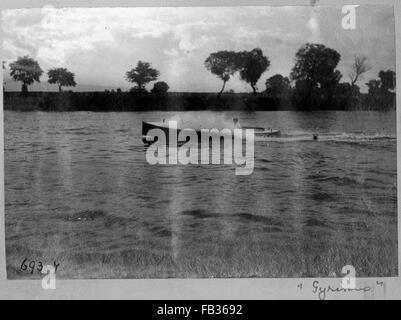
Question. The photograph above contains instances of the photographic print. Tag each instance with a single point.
(200, 142)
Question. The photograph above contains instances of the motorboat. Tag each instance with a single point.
(175, 131)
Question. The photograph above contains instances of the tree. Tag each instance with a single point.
(277, 85)
(252, 65)
(160, 87)
(358, 68)
(343, 97)
(380, 91)
(223, 64)
(376, 95)
(384, 84)
(374, 87)
(387, 79)
(26, 70)
(61, 77)
(315, 76)
(142, 75)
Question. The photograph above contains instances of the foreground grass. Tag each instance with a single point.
(220, 258)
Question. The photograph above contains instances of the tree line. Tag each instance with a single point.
(249, 64)
(313, 83)
(27, 70)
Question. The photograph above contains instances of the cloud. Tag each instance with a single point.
(101, 44)
(195, 35)
(55, 33)
(171, 52)
(313, 25)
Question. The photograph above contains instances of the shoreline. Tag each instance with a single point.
(115, 101)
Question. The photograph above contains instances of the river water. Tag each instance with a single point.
(79, 189)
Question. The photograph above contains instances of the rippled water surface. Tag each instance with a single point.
(78, 189)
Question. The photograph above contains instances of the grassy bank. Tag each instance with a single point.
(219, 258)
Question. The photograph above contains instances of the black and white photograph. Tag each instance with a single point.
(204, 142)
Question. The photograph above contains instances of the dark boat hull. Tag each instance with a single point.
(147, 126)
(149, 139)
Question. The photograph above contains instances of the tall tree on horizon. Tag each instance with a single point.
(26, 70)
(142, 75)
(358, 68)
(277, 85)
(381, 91)
(223, 64)
(388, 79)
(160, 87)
(252, 65)
(315, 75)
(385, 83)
(62, 77)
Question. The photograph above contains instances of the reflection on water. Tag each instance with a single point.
(82, 178)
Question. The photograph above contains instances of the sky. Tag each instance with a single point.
(99, 45)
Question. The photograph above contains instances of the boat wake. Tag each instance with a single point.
(326, 137)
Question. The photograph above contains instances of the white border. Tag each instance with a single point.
(194, 288)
